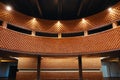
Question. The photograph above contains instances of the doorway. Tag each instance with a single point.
(8, 68)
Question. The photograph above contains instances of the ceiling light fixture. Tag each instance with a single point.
(9, 8)
(34, 19)
(109, 9)
(58, 23)
(83, 20)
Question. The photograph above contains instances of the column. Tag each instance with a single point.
(38, 67)
(114, 25)
(85, 33)
(4, 24)
(80, 67)
(59, 35)
(33, 33)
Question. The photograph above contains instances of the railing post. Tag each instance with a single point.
(59, 35)
(33, 33)
(114, 25)
(4, 24)
(85, 33)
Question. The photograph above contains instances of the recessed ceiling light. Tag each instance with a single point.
(83, 20)
(34, 19)
(58, 23)
(109, 9)
(9, 8)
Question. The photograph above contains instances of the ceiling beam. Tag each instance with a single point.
(39, 8)
(60, 3)
(80, 7)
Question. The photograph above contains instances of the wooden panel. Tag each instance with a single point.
(59, 62)
(59, 75)
(91, 63)
(26, 76)
(71, 62)
(51, 26)
(92, 76)
(27, 63)
(63, 63)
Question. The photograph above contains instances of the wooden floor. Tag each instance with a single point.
(70, 79)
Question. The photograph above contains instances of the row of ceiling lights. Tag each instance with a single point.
(9, 8)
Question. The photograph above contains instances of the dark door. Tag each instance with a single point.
(12, 72)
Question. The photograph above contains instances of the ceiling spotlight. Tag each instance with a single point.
(58, 23)
(109, 9)
(34, 19)
(83, 20)
(9, 8)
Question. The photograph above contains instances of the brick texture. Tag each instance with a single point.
(102, 42)
(70, 26)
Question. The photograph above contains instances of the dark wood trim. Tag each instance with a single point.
(39, 8)
(38, 67)
(80, 67)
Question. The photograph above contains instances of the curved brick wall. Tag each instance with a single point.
(101, 42)
(51, 26)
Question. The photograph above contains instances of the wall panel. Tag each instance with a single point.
(59, 63)
(26, 76)
(27, 63)
(91, 62)
(102, 42)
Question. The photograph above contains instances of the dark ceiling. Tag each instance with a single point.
(60, 9)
